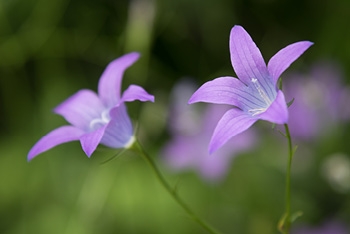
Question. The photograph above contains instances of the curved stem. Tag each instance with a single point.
(138, 148)
(287, 221)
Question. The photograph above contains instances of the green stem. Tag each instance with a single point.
(138, 148)
(287, 223)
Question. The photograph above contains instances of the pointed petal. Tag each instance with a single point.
(226, 90)
(56, 137)
(119, 130)
(231, 124)
(277, 112)
(110, 82)
(90, 141)
(135, 92)
(285, 57)
(246, 58)
(81, 108)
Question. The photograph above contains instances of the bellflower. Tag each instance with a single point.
(254, 94)
(191, 134)
(330, 227)
(97, 118)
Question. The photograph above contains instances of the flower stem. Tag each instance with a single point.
(287, 221)
(139, 149)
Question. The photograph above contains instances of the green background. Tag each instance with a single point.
(51, 49)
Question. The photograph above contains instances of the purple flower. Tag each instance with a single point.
(255, 94)
(191, 134)
(96, 119)
(321, 100)
(327, 228)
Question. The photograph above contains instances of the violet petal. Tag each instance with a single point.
(226, 90)
(285, 57)
(119, 130)
(135, 92)
(81, 108)
(109, 85)
(277, 111)
(246, 57)
(231, 124)
(90, 141)
(56, 137)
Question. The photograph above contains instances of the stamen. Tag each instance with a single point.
(100, 121)
(95, 122)
(257, 111)
(262, 92)
(105, 116)
(264, 97)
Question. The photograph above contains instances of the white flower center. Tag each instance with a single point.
(98, 122)
(130, 142)
(264, 97)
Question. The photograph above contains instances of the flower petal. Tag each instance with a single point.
(56, 137)
(214, 167)
(110, 82)
(119, 130)
(285, 57)
(278, 110)
(81, 108)
(231, 124)
(226, 90)
(246, 58)
(135, 92)
(90, 141)
(181, 152)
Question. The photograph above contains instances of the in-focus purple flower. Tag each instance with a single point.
(191, 129)
(97, 119)
(255, 94)
(321, 100)
(331, 227)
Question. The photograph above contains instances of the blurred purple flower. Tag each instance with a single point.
(326, 228)
(255, 94)
(96, 119)
(321, 100)
(191, 130)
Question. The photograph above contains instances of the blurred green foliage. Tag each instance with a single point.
(51, 49)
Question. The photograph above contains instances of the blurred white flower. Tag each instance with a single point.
(336, 170)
